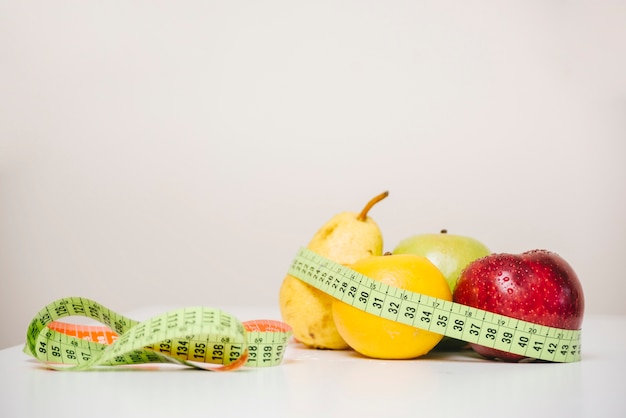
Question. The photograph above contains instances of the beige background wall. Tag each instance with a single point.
(179, 152)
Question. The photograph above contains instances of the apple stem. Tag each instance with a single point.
(363, 215)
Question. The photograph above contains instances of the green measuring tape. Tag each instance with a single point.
(199, 336)
(194, 337)
(437, 315)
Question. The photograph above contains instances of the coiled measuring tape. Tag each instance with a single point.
(195, 337)
(437, 315)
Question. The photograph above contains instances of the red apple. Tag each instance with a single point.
(536, 286)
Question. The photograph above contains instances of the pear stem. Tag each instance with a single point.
(363, 215)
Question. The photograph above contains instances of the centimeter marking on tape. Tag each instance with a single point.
(195, 337)
(437, 315)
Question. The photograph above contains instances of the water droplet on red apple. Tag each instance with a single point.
(509, 291)
(506, 279)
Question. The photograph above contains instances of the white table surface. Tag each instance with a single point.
(314, 383)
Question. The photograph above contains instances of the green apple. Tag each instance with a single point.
(450, 253)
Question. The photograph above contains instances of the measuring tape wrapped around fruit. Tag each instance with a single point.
(195, 337)
(342, 292)
(495, 333)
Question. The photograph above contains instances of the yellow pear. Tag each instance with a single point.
(346, 238)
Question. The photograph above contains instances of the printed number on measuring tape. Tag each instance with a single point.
(455, 320)
(194, 337)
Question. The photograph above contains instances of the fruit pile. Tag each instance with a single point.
(537, 286)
